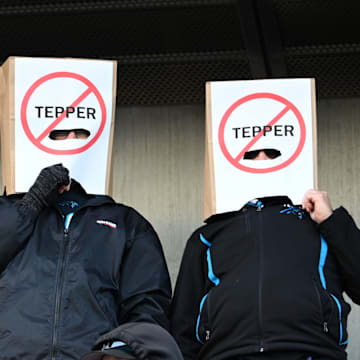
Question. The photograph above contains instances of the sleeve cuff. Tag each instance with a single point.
(335, 223)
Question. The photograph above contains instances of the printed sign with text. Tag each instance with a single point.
(63, 114)
(277, 116)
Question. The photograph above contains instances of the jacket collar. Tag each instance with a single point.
(265, 202)
(88, 199)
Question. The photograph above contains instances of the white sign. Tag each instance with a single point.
(261, 114)
(54, 97)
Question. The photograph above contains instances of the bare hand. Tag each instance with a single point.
(317, 204)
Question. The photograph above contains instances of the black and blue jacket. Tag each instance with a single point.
(267, 279)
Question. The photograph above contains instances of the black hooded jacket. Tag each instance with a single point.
(60, 289)
(267, 279)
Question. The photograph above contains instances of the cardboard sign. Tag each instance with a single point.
(244, 116)
(53, 97)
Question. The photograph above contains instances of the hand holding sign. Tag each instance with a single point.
(45, 188)
(317, 204)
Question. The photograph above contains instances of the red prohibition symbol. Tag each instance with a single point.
(288, 106)
(91, 89)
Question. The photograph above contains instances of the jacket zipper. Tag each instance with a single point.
(324, 321)
(208, 330)
(261, 264)
(58, 291)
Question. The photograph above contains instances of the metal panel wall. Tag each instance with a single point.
(158, 168)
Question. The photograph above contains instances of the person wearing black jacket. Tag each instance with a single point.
(267, 282)
(74, 266)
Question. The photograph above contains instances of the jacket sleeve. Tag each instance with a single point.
(343, 238)
(15, 229)
(189, 290)
(145, 288)
(18, 212)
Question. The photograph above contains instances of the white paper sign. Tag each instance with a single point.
(262, 114)
(63, 94)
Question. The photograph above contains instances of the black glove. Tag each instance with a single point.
(45, 189)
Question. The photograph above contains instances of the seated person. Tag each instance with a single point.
(267, 282)
(74, 266)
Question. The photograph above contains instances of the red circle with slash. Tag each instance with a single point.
(288, 107)
(91, 88)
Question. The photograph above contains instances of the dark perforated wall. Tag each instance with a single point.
(166, 50)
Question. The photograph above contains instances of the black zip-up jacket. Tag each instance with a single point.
(60, 290)
(267, 279)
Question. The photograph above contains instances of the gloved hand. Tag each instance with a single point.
(45, 188)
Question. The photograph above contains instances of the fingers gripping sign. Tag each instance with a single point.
(317, 204)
